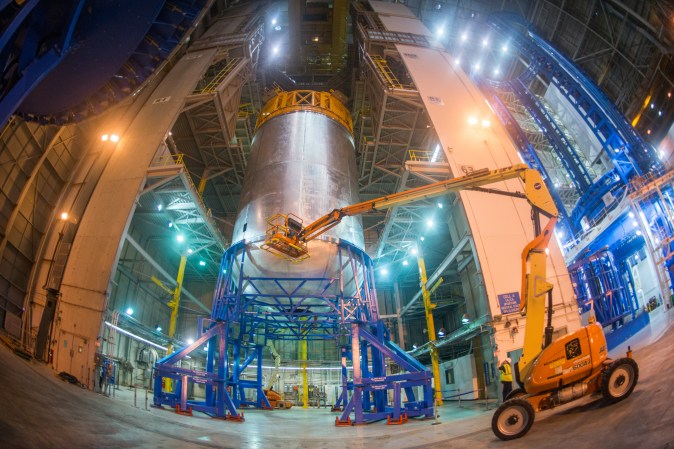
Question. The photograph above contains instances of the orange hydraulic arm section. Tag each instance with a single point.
(290, 238)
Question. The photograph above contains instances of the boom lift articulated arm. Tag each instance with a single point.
(277, 364)
(290, 239)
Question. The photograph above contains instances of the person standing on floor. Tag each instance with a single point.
(506, 377)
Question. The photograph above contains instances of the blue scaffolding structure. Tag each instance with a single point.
(248, 310)
(603, 276)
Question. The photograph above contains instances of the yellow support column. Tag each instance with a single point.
(202, 186)
(305, 378)
(174, 304)
(428, 307)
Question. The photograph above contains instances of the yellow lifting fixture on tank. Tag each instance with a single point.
(549, 373)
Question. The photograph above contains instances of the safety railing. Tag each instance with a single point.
(389, 76)
(219, 77)
(425, 156)
(166, 160)
(279, 241)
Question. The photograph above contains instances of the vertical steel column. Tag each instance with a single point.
(428, 308)
(305, 379)
(357, 374)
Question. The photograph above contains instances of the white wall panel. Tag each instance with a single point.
(501, 226)
(392, 8)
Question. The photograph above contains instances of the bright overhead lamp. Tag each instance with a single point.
(504, 48)
(429, 223)
(157, 328)
(190, 341)
(202, 263)
(422, 238)
(464, 36)
(189, 251)
(486, 123)
(114, 138)
(465, 319)
(405, 263)
(384, 271)
(160, 206)
(275, 50)
(485, 42)
(472, 120)
(64, 215)
(129, 311)
(440, 205)
(273, 21)
(105, 137)
(180, 238)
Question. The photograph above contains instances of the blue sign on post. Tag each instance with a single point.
(509, 302)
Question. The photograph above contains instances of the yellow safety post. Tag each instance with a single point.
(428, 307)
(305, 378)
(174, 304)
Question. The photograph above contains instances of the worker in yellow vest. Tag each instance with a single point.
(506, 377)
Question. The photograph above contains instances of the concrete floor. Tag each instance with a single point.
(38, 410)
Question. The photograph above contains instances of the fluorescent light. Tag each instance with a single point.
(134, 336)
(436, 153)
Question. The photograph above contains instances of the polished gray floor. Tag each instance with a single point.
(37, 410)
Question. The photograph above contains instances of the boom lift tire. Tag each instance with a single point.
(512, 419)
(516, 393)
(619, 379)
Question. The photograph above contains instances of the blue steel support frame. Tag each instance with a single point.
(215, 381)
(299, 308)
(567, 153)
(377, 383)
(630, 153)
(524, 147)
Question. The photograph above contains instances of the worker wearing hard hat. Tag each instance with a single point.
(506, 377)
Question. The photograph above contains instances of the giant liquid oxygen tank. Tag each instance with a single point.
(302, 162)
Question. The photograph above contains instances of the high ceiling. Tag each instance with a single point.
(624, 46)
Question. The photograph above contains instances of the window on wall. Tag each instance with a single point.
(449, 376)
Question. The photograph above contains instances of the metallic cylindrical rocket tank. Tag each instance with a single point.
(302, 162)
